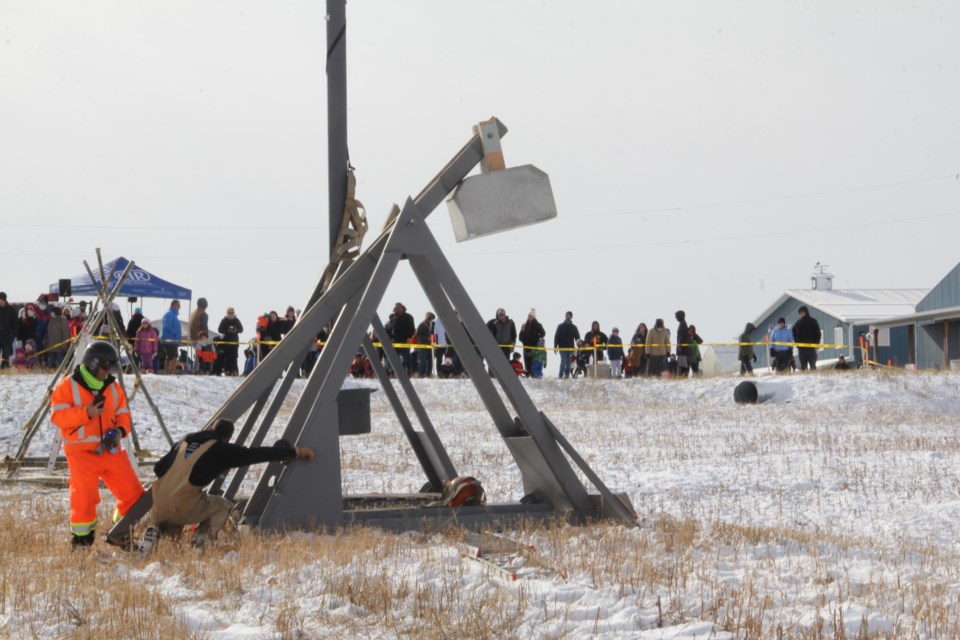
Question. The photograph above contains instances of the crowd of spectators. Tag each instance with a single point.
(39, 335)
(425, 350)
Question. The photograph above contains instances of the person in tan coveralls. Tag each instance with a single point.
(195, 462)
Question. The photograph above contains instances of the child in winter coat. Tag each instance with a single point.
(146, 345)
(206, 353)
(539, 362)
(356, 367)
(368, 367)
(26, 356)
(583, 358)
(446, 367)
(76, 322)
(615, 352)
(250, 361)
(517, 364)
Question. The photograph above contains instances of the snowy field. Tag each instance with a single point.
(831, 511)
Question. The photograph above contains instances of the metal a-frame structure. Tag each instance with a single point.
(100, 315)
(298, 495)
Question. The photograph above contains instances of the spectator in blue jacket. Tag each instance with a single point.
(170, 336)
(781, 345)
(250, 361)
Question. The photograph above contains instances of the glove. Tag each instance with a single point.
(112, 437)
(110, 441)
(305, 453)
(754, 357)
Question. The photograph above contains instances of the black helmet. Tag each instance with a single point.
(100, 355)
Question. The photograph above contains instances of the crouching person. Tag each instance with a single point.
(195, 462)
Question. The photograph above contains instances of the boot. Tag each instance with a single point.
(82, 542)
(149, 541)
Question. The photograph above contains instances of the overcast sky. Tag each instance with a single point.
(703, 155)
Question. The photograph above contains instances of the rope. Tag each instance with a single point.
(353, 226)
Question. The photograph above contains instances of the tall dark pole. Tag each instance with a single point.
(338, 157)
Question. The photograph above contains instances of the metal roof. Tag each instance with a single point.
(854, 305)
(921, 317)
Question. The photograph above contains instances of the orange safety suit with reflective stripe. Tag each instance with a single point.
(81, 437)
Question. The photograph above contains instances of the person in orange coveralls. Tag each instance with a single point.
(90, 409)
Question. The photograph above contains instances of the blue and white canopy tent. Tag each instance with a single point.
(140, 283)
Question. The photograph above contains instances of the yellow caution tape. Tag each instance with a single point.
(413, 345)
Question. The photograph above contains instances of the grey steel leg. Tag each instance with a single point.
(393, 358)
(464, 345)
(437, 269)
(434, 472)
(320, 396)
(527, 412)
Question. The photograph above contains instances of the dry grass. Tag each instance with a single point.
(744, 548)
(19, 371)
(368, 583)
(364, 583)
(679, 571)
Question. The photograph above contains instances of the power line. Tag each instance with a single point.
(751, 236)
(238, 228)
(166, 227)
(794, 196)
(321, 260)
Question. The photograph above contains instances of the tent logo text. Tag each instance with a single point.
(136, 275)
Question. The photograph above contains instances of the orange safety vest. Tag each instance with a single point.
(68, 410)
